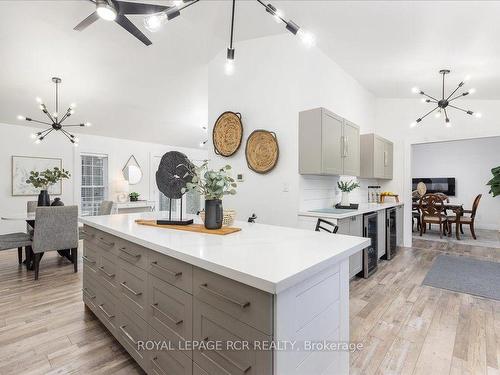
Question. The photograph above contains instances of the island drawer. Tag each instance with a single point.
(108, 272)
(132, 253)
(170, 311)
(104, 241)
(90, 256)
(162, 362)
(243, 302)
(171, 270)
(132, 282)
(212, 325)
(89, 289)
(108, 308)
(132, 329)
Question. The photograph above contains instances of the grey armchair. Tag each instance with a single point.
(30, 208)
(56, 228)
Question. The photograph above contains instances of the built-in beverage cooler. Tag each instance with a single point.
(370, 254)
(390, 234)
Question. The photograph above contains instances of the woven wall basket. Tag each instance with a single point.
(227, 133)
(262, 151)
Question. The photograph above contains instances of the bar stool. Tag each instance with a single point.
(334, 228)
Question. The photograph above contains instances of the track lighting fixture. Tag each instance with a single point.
(55, 121)
(443, 105)
(106, 10)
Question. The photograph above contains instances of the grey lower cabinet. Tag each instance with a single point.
(328, 144)
(376, 157)
(353, 226)
(141, 295)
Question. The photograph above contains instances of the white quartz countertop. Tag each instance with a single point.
(267, 257)
(362, 209)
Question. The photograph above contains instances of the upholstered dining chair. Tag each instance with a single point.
(15, 240)
(432, 212)
(56, 228)
(30, 208)
(467, 220)
(105, 208)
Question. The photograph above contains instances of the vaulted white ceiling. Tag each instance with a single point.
(159, 93)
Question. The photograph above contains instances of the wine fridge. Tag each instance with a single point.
(390, 234)
(370, 254)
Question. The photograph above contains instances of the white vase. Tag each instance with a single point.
(344, 201)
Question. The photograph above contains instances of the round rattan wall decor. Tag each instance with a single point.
(262, 151)
(227, 133)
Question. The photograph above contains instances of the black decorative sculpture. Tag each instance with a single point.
(171, 177)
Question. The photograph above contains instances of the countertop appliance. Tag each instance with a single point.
(390, 233)
(370, 254)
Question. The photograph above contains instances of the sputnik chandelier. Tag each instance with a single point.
(155, 21)
(55, 120)
(444, 104)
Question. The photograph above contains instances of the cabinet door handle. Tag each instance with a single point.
(124, 250)
(87, 293)
(129, 336)
(242, 305)
(168, 316)
(221, 354)
(385, 158)
(109, 316)
(124, 284)
(154, 361)
(110, 275)
(173, 273)
(346, 146)
(87, 259)
(108, 244)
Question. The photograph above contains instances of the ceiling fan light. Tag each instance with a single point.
(154, 22)
(106, 11)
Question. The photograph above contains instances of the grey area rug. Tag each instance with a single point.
(465, 275)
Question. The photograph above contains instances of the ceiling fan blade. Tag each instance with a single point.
(132, 29)
(87, 22)
(125, 7)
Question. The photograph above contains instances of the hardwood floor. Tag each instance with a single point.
(405, 328)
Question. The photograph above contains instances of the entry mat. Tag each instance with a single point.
(465, 275)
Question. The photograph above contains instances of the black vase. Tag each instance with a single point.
(213, 214)
(43, 198)
(57, 202)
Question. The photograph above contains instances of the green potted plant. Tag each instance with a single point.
(494, 183)
(346, 187)
(213, 185)
(44, 179)
(134, 196)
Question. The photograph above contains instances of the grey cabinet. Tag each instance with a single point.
(328, 144)
(353, 226)
(376, 157)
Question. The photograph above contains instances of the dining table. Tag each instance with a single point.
(456, 208)
(30, 218)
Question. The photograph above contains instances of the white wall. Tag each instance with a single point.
(15, 140)
(392, 120)
(275, 78)
(470, 162)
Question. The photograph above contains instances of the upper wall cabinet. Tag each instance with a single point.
(328, 144)
(376, 157)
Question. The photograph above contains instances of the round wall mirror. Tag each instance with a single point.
(132, 172)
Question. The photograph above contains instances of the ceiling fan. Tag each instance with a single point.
(116, 10)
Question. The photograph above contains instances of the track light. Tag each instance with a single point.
(105, 10)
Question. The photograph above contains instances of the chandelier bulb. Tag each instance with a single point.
(33, 136)
(229, 67)
(415, 90)
(21, 118)
(472, 91)
(467, 78)
(87, 124)
(72, 105)
(307, 38)
(437, 114)
(477, 115)
(37, 141)
(448, 124)
(39, 100)
(413, 124)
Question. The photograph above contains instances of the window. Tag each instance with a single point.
(94, 183)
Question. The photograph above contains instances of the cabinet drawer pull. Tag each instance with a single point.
(222, 296)
(124, 284)
(87, 259)
(123, 249)
(107, 274)
(168, 316)
(221, 354)
(129, 336)
(109, 316)
(154, 361)
(109, 244)
(87, 293)
(173, 273)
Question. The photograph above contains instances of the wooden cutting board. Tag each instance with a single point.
(199, 228)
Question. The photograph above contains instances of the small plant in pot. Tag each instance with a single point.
(346, 187)
(134, 197)
(45, 179)
(213, 185)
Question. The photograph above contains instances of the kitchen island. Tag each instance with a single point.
(274, 292)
